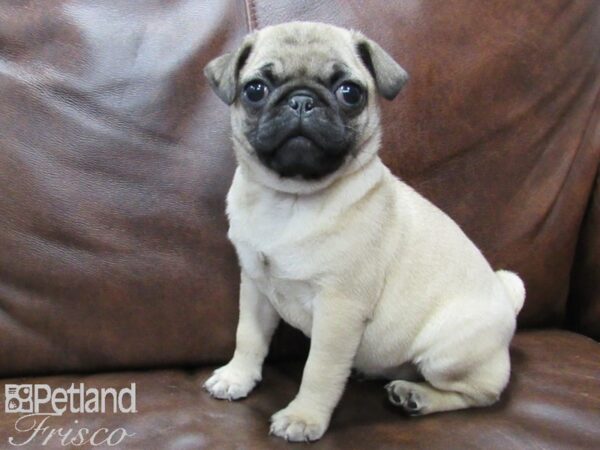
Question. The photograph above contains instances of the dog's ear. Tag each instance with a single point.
(389, 76)
(222, 72)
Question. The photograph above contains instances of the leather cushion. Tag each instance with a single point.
(552, 402)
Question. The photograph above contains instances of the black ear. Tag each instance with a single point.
(222, 72)
(389, 76)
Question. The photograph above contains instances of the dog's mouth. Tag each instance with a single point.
(305, 147)
(300, 156)
(300, 141)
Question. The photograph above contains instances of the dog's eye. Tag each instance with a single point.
(349, 94)
(256, 91)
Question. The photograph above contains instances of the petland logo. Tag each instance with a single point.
(40, 403)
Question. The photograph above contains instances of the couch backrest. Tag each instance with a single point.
(115, 159)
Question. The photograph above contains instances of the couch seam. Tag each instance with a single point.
(250, 15)
(568, 321)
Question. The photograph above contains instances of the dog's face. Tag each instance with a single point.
(304, 97)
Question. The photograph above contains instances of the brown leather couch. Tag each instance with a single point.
(114, 163)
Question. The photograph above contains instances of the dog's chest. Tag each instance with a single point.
(273, 273)
(281, 242)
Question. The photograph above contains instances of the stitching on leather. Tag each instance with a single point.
(250, 15)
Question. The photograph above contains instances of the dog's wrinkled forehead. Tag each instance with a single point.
(306, 49)
(313, 51)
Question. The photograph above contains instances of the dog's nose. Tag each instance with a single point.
(302, 104)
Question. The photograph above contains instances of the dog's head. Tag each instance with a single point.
(304, 98)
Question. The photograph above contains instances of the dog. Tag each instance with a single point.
(329, 240)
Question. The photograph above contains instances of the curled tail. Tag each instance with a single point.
(515, 287)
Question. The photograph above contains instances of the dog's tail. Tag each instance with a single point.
(515, 287)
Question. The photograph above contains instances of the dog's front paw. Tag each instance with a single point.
(297, 424)
(232, 382)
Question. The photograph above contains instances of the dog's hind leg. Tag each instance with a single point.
(443, 390)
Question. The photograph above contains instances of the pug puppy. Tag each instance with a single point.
(331, 241)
